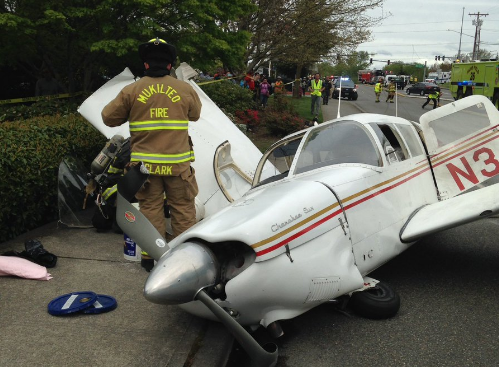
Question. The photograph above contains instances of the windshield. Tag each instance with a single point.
(344, 83)
(280, 158)
(336, 143)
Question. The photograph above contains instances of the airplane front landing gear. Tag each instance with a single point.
(375, 301)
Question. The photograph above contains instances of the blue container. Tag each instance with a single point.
(131, 250)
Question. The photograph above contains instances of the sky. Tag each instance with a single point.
(419, 30)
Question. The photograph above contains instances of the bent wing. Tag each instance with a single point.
(451, 213)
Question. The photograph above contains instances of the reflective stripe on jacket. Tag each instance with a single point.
(159, 110)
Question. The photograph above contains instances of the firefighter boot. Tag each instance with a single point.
(147, 262)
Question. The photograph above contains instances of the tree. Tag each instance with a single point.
(83, 41)
(303, 32)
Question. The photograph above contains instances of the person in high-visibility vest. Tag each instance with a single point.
(316, 89)
(378, 87)
(391, 91)
(432, 97)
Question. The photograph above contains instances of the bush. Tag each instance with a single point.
(229, 97)
(282, 123)
(44, 107)
(250, 118)
(30, 154)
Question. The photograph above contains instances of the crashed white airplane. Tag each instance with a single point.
(308, 221)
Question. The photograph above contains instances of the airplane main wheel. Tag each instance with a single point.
(379, 302)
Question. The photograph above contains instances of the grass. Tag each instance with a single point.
(302, 107)
(263, 140)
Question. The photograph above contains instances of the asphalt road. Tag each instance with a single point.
(449, 313)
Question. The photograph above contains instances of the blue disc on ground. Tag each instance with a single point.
(71, 303)
(103, 304)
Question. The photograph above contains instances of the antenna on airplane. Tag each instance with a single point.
(339, 98)
(396, 101)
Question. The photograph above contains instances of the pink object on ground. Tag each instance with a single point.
(12, 265)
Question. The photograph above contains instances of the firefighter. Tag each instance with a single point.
(434, 96)
(159, 108)
(378, 87)
(391, 91)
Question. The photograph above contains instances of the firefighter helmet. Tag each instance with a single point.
(157, 49)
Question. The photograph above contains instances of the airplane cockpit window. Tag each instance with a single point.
(393, 146)
(280, 157)
(340, 142)
(411, 138)
(455, 126)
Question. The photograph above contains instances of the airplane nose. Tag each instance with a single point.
(181, 273)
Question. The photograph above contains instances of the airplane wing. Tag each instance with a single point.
(451, 213)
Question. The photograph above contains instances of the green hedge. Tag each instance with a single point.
(31, 151)
(229, 96)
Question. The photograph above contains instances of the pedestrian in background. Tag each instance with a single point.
(316, 89)
(264, 92)
(278, 87)
(327, 90)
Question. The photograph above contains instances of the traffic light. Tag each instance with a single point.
(436, 58)
(371, 61)
(388, 63)
(443, 58)
(439, 58)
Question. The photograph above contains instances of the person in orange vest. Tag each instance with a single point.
(159, 108)
(316, 89)
(278, 87)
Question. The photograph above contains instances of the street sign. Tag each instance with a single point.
(420, 66)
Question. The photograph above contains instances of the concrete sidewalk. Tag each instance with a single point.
(136, 333)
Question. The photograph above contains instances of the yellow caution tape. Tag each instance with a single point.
(39, 98)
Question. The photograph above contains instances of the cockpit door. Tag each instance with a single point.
(233, 182)
(463, 145)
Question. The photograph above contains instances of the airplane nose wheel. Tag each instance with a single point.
(378, 302)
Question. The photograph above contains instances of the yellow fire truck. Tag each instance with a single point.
(481, 77)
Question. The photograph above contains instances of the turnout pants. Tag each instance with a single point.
(180, 194)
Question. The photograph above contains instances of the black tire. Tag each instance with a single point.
(379, 302)
(495, 99)
(355, 98)
(422, 93)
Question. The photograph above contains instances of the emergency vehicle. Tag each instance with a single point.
(471, 78)
(439, 77)
(365, 76)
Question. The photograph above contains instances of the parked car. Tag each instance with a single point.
(348, 89)
(422, 88)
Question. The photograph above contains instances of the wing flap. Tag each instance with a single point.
(451, 213)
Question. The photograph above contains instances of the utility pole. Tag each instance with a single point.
(478, 25)
(460, 36)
